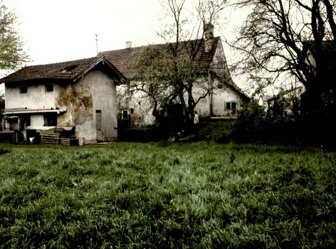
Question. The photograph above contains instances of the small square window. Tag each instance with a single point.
(49, 88)
(234, 106)
(23, 89)
(50, 120)
(124, 115)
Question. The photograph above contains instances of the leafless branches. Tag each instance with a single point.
(277, 33)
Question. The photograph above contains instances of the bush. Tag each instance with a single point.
(217, 131)
(140, 134)
(250, 124)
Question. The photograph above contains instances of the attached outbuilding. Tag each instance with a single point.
(77, 98)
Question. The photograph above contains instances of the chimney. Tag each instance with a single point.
(128, 44)
(208, 37)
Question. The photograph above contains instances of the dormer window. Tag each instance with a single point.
(23, 89)
(69, 69)
(49, 87)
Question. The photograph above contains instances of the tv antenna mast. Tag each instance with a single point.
(96, 35)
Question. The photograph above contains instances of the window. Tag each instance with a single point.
(124, 115)
(49, 88)
(50, 119)
(98, 119)
(23, 89)
(231, 106)
(68, 69)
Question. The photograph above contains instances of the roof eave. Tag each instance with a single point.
(120, 76)
(37, 81)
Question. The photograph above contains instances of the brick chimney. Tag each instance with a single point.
(208, 37)
(128, 44)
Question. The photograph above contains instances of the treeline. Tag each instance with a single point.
(276, 125)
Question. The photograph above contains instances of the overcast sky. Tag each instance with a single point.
(60, 30)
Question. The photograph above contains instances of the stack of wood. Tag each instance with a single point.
(65, 141)
(50, 137)
(57, 136)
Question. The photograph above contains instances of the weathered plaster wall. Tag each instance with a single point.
(104, 99)
(138, 101)
(219, 64)
(203, 106)
(218, 100)
(214, 104)
(95, 91)
(221, 97)
(37, 121)
(35, 98)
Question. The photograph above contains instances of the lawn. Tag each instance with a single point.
(160, 195)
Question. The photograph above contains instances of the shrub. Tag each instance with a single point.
(251, 123)
(217, 131)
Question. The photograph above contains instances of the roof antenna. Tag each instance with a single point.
(96, 43)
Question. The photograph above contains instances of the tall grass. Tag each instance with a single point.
(201, 195)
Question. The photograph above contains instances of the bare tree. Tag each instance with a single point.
(278, 37)
(169, 73)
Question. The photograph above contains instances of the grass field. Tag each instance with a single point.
(157, 195)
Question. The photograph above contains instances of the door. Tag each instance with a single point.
(100, 134)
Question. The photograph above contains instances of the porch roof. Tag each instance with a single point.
(18, 111)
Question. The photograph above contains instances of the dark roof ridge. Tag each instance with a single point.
(154, 44)
(66, 71)
(122, 58)
(62, 62)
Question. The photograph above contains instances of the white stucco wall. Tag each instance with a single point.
(94, 91)
(203, 106)
(35, 98)
(221, 97)
(213, 104)
(103, 91)
(139, 102)
(218, 100)
(37, 121)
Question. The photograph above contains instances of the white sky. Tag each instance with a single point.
(61, 30)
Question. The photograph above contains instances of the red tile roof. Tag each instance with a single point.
(123, 58)
(63, 71)
(120, 61)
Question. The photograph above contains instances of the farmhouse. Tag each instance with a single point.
(75, 98)
(80, 100)
(223, 100)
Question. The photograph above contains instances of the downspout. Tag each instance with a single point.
(210, 93)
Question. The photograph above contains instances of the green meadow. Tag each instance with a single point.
(161, 195)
